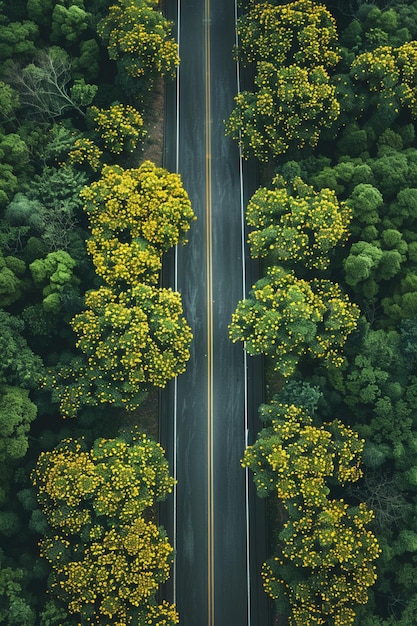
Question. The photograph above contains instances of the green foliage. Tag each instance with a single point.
(9, 101)
(378, 391)
(49, 209)
(301, 394)
(17, 40)
(11, 284)
(16, 414)
(19, 365)
(87, 64)
(368, 265)
(14, 608)
(53, 274)
(68, 23)
(45, 86)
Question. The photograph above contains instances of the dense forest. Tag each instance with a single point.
(88, 332)
(331, 118)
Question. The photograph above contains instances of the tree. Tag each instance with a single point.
(14, 608)
(9, 101)
(324, 560)
(12, 286)
(139, 37)
(120, 127)
(19, 365)
(84, 150)
(136, 215)
(286, 317)
(50, 207)
(131, 342)
(376, 391)
(148, 202)
(18, 39)
(292, 46)
(391, 72)
(53, 274)
(288, 109)
(44, 87)
(16, 414)
(294, 224)
(301, 30)
(294, 459)
(108, 559)
(68, 23)
(367, 265)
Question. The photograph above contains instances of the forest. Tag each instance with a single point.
(331, 119)
(88, 332)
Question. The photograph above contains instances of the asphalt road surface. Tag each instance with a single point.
(214, 519)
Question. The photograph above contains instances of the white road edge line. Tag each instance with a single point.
(175, 416)
(245, 356)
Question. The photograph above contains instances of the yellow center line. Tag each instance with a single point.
(209, 275)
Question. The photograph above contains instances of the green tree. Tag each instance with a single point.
(50, 208)
(68, 23)
(45, 86)
(19, 365)
(53, 274)
(17, 39)
(12, 286)
(14, 608)
(16, 414)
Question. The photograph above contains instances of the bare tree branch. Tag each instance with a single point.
(44, 85)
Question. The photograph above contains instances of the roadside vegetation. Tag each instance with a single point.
(87, 332)
(331, 118)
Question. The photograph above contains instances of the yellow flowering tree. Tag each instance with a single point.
(391, 73)
(293, 223)
(85, 150)
(325, 554)
(292, 46)
(286, 317)
(303, 32)
(136, 215)
(107, 558)
(132, 341)
(120, 127)
(139, 37)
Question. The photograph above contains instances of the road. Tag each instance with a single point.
(214, 520)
